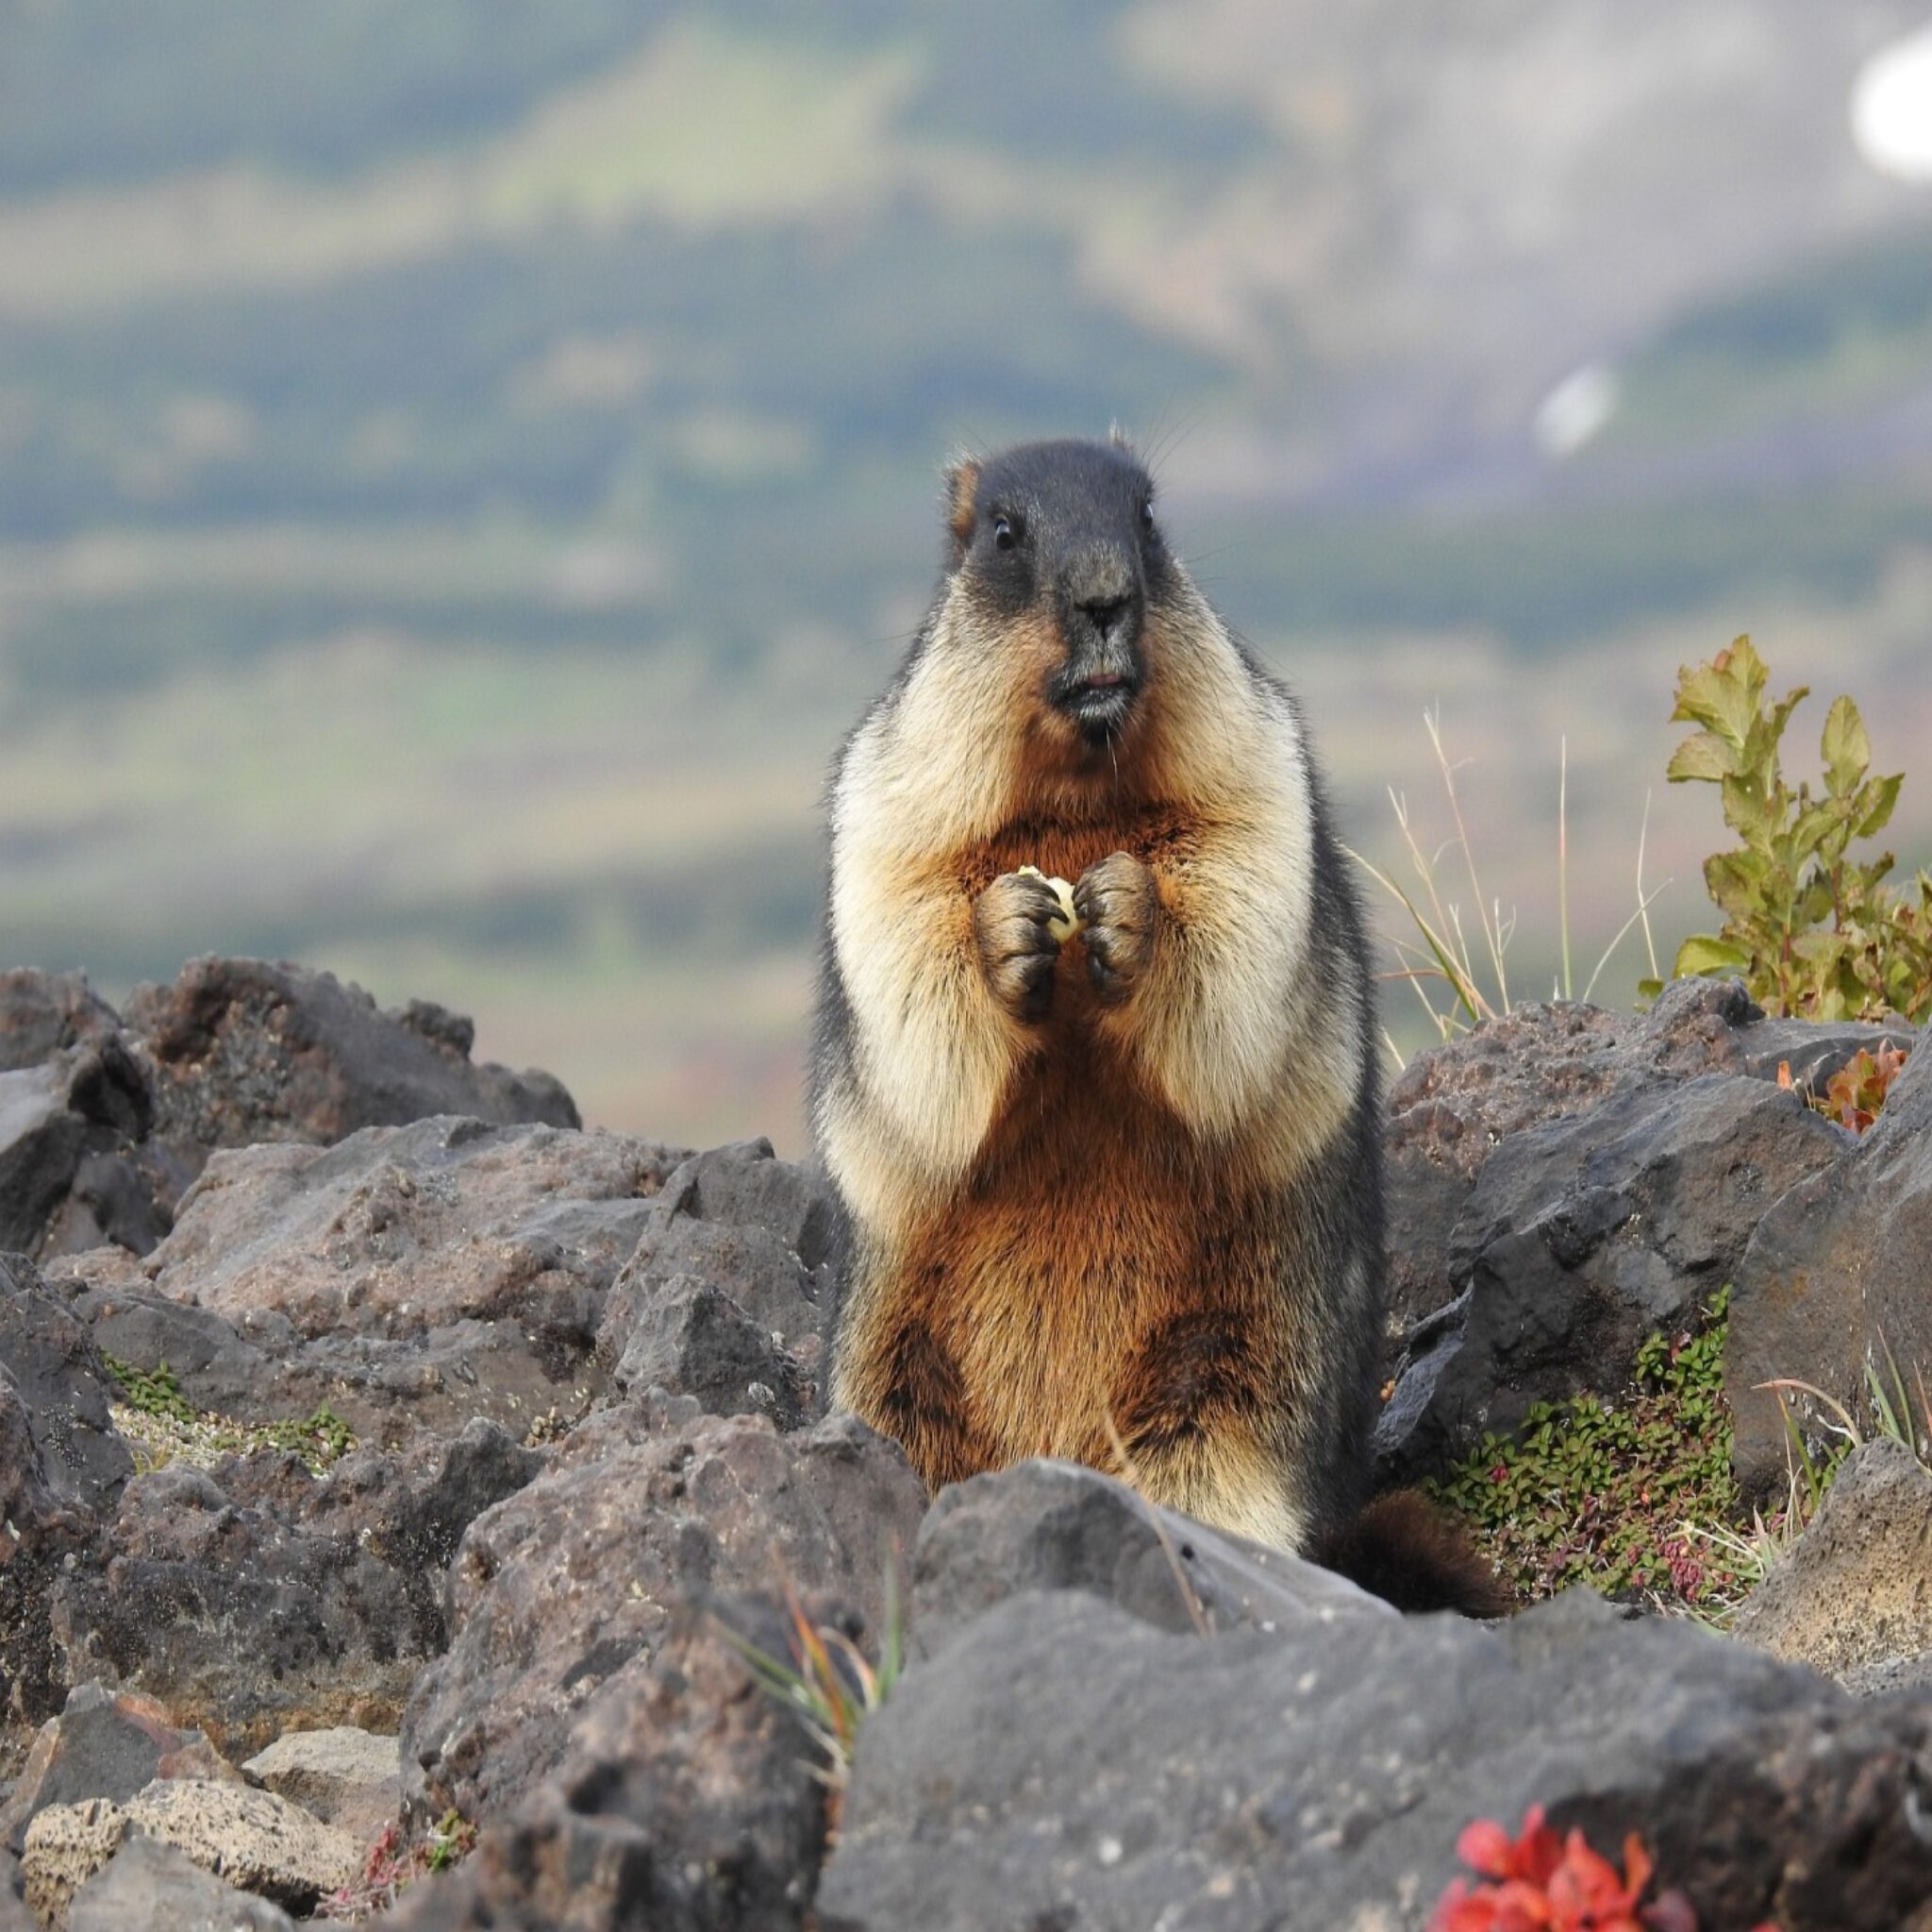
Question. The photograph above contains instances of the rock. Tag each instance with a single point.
(241, 1051)
(41, 1144)
(1835, 1276)
(1455, 1104)
(684, 1800)
(425, 1274)
(66, 1845)
(14, 1916)
(103, 1744)
(1058, 1526)
(39, 1535)
(729, 1295)
(744, 1185)
(1083, 1769)
(45, 1014)
(73, 1106)
(228, 1369)
(251, 1840)
(291, 1601)
(64, 1384)
(689, 1337)
(578, 1576)
(149, 1886)
(1586, 1234)
(1856, 1589)
(347, 1778)
(237, 1621)
(1892, 1676)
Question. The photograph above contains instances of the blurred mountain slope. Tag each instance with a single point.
(459, 467)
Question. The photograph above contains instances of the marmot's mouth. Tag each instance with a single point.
(1099, 705)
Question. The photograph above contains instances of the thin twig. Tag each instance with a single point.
(1563, 858)
(1131, 1475)
(1643, 903)
(1433, 725)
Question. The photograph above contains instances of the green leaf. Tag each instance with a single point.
(1723, 696)
(1875, 803)
(1703, 756)
(1846, 748)
(1703, 954)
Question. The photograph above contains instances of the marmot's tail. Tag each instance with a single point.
(1410, 1552)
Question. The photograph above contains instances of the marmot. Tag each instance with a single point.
(1117, 1190)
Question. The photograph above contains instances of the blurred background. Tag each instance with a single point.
(463, 465)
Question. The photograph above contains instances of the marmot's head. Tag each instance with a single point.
(1058, 576)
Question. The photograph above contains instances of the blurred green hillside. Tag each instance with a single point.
(461, 466)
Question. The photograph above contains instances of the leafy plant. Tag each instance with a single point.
(1587, 1492)
(394, 1863)
(171, 1425)
(1812, 931)
(1542, 1879)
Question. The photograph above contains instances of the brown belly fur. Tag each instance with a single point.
(1099, 1270)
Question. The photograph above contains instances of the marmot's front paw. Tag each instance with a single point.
(1015, 922)
(1121, 913)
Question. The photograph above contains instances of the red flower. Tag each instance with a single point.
(1540, 1882)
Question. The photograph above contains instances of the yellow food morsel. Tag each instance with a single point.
(1065, 922)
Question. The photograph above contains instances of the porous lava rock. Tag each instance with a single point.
(1060, 1526)
(1855, 1591)
(103, 1744)
(1834, 1277)
(149, 1886)
(646, 1507)
(257, 1598)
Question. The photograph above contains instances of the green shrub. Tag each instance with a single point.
(1587, 1492)
(1812, 931)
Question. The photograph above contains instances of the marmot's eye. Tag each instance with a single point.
(1147, 518)
(1003, 538)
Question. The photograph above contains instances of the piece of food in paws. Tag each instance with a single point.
(1066, 921)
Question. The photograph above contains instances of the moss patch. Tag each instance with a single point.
(161, 1425)
(1584, 1492)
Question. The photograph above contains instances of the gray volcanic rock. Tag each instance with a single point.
(60, 1377)
(414, 1276)
(685, 1801)
(578, 1576)
(41, 1143)
(1836, 1274)
(235, 1620)
(104, 1122)
(259, 1597)
(1584, 1234)
(1855, 1591)
(729, 1295)
(1059, 1525)
(1455, 1104)
(242, 1051)
(1062, 1764)
(150, 1885)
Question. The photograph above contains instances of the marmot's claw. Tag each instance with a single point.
(1120, 911)
(1015, 923)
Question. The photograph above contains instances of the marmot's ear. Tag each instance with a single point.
(1118, 439)
(962, 490)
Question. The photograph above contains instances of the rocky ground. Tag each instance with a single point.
(396, 1479)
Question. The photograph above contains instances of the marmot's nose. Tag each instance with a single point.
(1107, 615)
